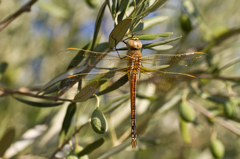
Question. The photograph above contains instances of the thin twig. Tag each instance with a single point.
(24, 91)
(219, 120)
(10, 18)
(208, 76)
(232, 62)
(67, 140)
(228, 126)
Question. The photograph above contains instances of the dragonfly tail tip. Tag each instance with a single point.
(134, 142)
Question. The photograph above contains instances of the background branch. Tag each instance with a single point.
(25, 91)
(9, 19)
(219, 120)
(68, 139)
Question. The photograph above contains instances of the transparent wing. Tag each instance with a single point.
(166, 71)
(117, 80)
(106, 81)
(177, 63)
(96, 62)
(162, 81)
(84, 57)
(101, 63)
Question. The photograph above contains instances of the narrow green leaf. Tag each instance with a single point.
(168, 105)
(122, 10)
(80, 55)
(189, 6)
(75, 62)
(78, 58)
(37, 104)
(109, 109)
(137, 8)
(137, 21)
(101, 80)
(105, 77)
(52, 90)
(151, 98)
(101, 47)
(6, 140)
(141, 6)
(91, 147)
(162, 47)
(114, 86)
(67, 120)
(116, 149)
(150, 141)
(93, 3)
(80, 85)
(62, 76)
(98, 24)
(113, 8)
(142, 126)
(160, 42)
(153, 36)
(86, 92)
(119, 32)
(150, 22)
(158, 4)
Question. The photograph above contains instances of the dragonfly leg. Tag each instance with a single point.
(124, 41)
(116, 47)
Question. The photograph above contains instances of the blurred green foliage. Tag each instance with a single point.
(28, 60)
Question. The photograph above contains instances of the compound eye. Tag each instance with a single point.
(134, 43)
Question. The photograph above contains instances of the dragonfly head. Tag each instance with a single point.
(134, 43)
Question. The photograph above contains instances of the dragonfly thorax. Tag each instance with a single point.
(134, 43)
(135, 62)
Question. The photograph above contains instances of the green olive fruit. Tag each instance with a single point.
(217, 148)
(184, 131)
(187, 112)
(93, 3)
(72, 155)
(230, 108)
(99, 122)
(185, 23)
(75, 152)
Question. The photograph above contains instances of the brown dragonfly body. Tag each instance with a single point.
(135, 65)
(164, 67)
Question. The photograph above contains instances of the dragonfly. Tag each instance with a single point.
(155, 68)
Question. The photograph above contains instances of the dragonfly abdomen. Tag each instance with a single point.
(133, 83)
